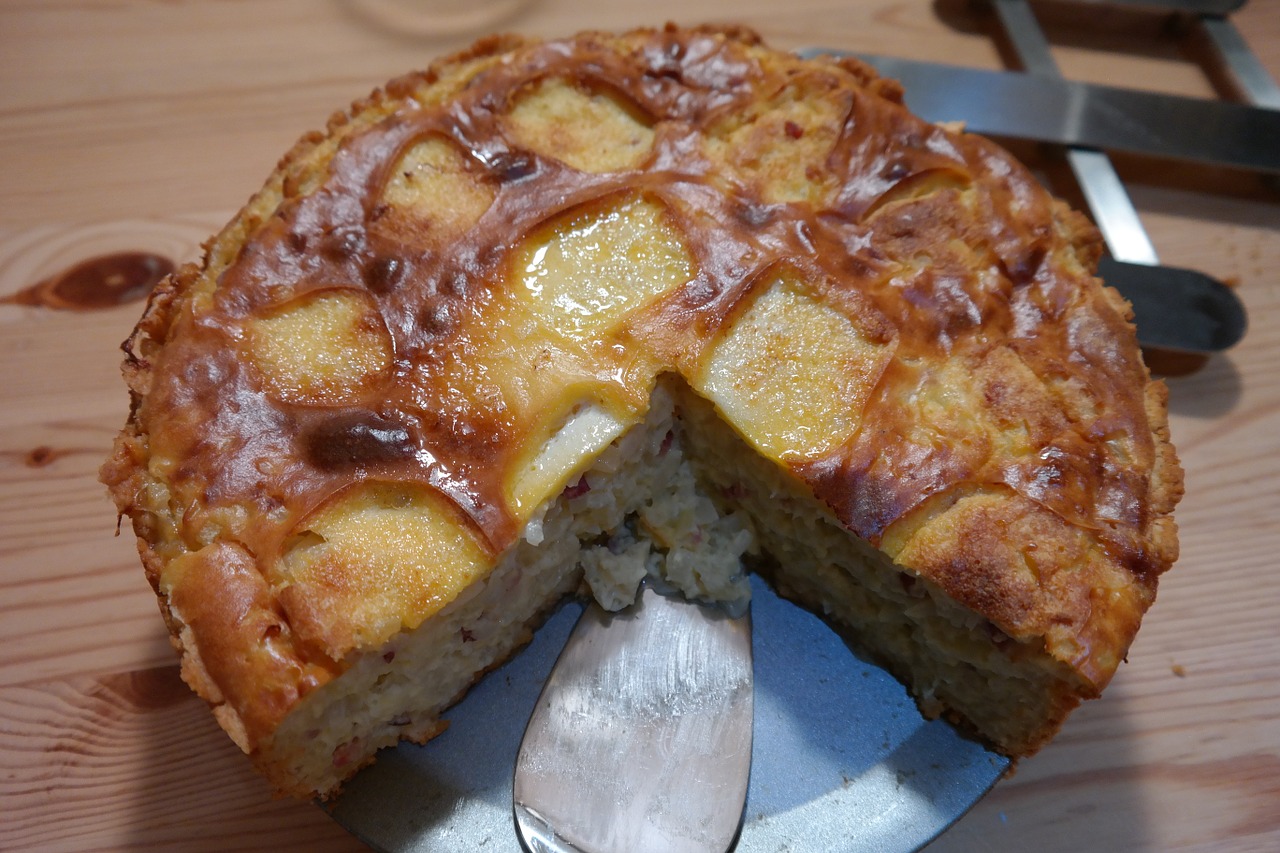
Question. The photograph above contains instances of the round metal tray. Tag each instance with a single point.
(841, 761)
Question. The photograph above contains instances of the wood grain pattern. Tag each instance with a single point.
(142, 126)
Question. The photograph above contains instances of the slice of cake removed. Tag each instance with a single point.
(550, 317)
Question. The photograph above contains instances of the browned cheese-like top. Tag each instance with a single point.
(476, 255)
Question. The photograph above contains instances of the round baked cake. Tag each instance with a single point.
(552, 317)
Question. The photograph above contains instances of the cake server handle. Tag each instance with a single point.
(641, 739)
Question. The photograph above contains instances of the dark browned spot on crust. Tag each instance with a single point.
(357, 439)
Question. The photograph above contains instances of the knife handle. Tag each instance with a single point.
(1176, 308)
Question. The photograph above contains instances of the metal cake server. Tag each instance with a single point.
(641, 739)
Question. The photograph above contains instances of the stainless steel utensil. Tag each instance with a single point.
(1068, 112)
(840, 757)
(641, 739)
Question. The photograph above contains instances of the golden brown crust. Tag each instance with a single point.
(1009, 446)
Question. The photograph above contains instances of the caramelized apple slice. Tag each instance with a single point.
(587, 270)
(432, 195)
(593, 131)
(384, 556)
(323, 347)
(550, 466)
(794, 371)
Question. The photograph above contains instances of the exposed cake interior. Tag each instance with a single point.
(954, 659)
(635, 512)
(683, 500)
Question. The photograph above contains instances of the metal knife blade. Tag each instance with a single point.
(641, 739)
(1030, 106)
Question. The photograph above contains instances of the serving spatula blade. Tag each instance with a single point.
(641, 739)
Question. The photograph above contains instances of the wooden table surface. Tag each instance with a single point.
(138, 125)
